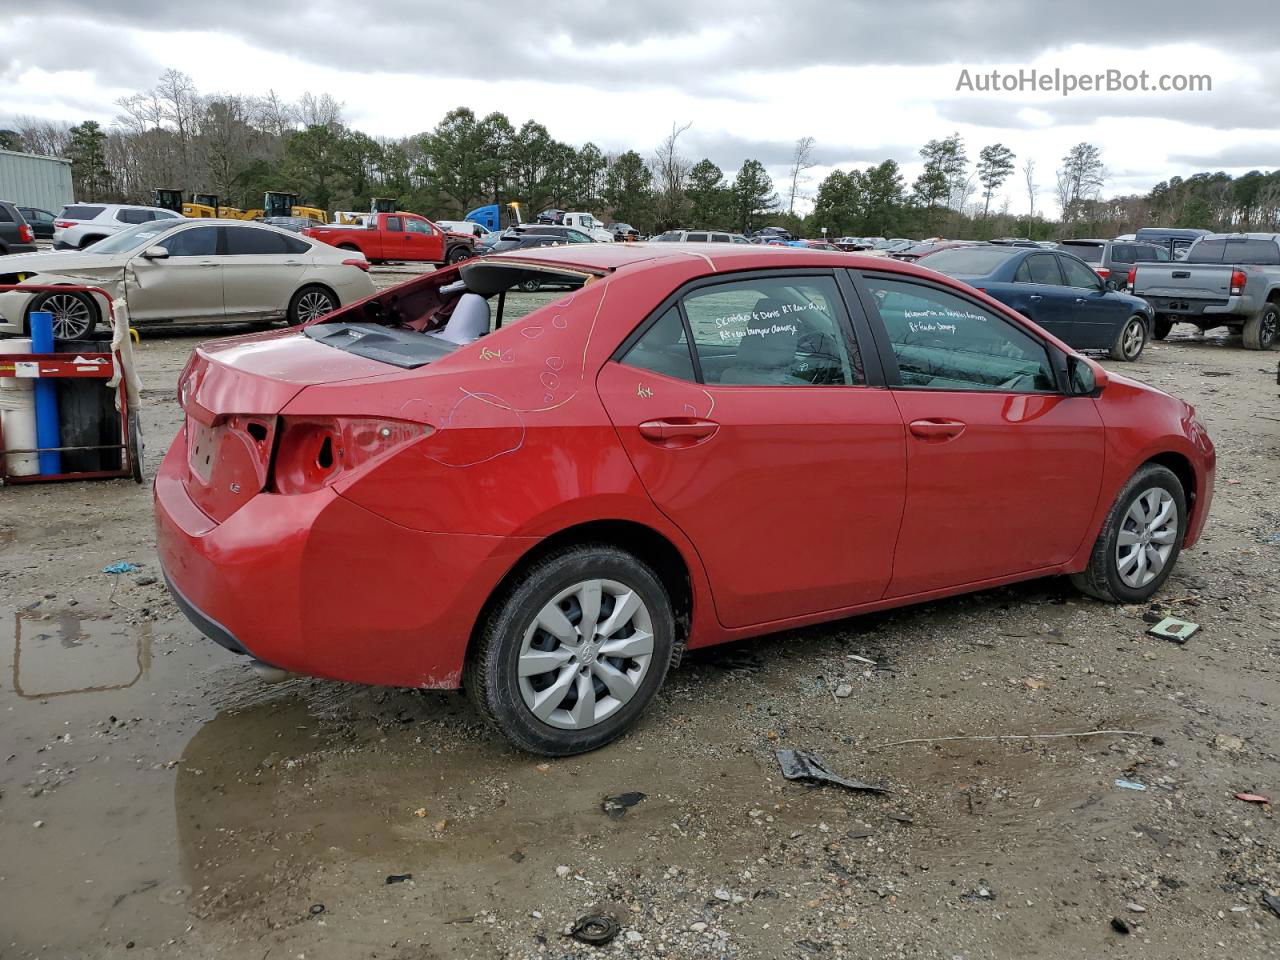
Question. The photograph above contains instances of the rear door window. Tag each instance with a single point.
(135, 216)
(773, 331)
(944, 342)
(1078, 275)
(1041, 268)
(248, 241)
(394, 225)
(1088, 252)
(5, 215)
(696, 238)
(664, 349)
(1261, 252)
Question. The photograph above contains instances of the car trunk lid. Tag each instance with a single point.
(232, 392)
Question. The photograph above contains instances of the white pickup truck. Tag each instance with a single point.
(588, 225)
(1226, 280)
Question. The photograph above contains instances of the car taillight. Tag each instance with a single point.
(1103, 272)
(1237, 282)
(63, 224)
(25, 235)
(353, 262)
(313, 452)
(1133, 275)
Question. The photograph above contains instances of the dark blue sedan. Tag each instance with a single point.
(1056, 290)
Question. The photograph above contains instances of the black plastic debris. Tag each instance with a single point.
(807, 767)
(317, 909)
(1271, 903)
(1119, 925)
(616, 807)
(399, 877)
(595, 929)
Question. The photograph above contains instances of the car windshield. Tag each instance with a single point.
(131, 239)
(969, 261)
(1088, 252)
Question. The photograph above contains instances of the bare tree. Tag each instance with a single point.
(46, 137)
(801, 160)
(671, 171)
(1033, 188)
(321, 111)
(1080, 178)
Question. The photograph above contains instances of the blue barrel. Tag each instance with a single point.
(48, 430)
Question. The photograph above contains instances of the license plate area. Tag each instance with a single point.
(202, 449)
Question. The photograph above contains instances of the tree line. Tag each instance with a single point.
(238, 147)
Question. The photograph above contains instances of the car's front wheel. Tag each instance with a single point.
(1131, 340)
(74, 313)
(573, 652)
(1140, 539)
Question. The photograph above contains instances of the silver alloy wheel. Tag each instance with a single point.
(1132, 338)
(313, 304)
(72, 317)
(585, 654)
(1147, 536)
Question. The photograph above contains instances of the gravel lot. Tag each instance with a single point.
(156, 800)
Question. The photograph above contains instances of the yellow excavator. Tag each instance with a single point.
(278, 204)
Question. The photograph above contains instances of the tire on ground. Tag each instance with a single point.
(306, 304)
(1262, 330)
(1160, 329)
(1101, 578)
(491, 675)
(72, 328)
(1128, 345)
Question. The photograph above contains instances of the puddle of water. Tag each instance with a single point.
(69, 653)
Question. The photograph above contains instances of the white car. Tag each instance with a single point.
(477, 230)
(80, 224)
(188, 271)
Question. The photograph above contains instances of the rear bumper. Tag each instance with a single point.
(315, 584)
(1182, 307)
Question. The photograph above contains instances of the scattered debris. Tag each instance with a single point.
(982, 893)
(145, 580)
(1130, 785)
(1171, 628)
(1224, 741)
(317, 909)
(1253, 798)
(1119, 925)
(867, 660)
(616, 807)
(1031, 683)
(808, 767)
(124, 566)
(844, 690)
(1135, 907)
(1022, 736)
(1272, 903)
(595, 929)
(517, 857)
(420, 812)
(562, 871)
(399, 877)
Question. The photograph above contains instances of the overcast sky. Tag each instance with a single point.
(868, 80)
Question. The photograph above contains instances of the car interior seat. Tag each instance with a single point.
(469, 320)
(767, 352)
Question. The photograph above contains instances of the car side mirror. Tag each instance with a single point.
(156, 253)
(1087, 378)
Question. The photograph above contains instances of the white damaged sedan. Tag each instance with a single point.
(186, 271)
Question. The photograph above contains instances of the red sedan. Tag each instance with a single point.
(692, 447)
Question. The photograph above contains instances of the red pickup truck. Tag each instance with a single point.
(397, 236)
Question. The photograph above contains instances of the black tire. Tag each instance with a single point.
(1101, 578)
(75, 314)
(1262, 330)
(457, 254)
(491, 677)
(532, 285)
(1131, 340)
(309, 304)
(1161, 328)
(135, 445)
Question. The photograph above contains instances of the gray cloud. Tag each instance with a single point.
(1245, 156)
(76, 43)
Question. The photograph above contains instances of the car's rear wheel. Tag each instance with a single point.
(1262, 330)
(1131, 340)
(1140, 539)
(1160, 329)
(74, 314)
(531, 285)
(311, 303)
(573, 652)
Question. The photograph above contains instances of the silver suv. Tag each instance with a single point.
(81, 224)
(700, 236)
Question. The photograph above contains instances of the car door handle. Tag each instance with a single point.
(1035, 298)
(678, 431)
(208, 263)
(937, 430)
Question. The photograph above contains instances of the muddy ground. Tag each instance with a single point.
(156, 800)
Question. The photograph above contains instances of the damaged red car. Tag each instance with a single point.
(691, 446)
